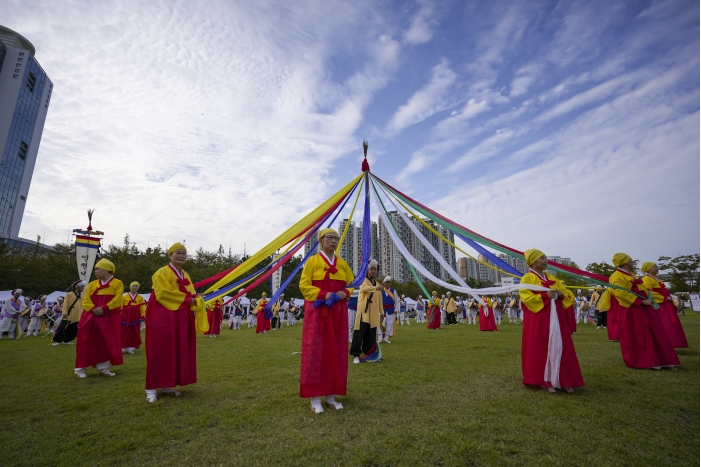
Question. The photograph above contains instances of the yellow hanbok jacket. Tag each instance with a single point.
(652, 283)
(534, 300)
(621, 279)
(169, 295)
(450, 305)
(76, 310)
(368, 312)
(315, 269)
(139, 300)
(115, 287)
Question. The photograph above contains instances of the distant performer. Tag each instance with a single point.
(10, 311)
(99, 336)
(263, 318)
(236, 314)
(365, 348)
(67, 329)
(548, 357)
(215, 317)
(403, 313)
(390, 307)
(487, 321)
(292, 313)
(133, 311)
(37, 310)
(434, 311)
(420, 310)
(450, 310)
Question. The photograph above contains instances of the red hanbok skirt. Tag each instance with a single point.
(534, 348)
(670, 321)
(434, 317)
(171, 357)
(263, 323)
(487, 323)
(215, 318)
(644, 341)
(612, 322)
(131, 327)
(99, 337)
(324, 368)
(571, 319)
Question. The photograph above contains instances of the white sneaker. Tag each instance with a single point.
(387, 341)
(107, 373)
(55, 343)
(80, 373)
(356, 360)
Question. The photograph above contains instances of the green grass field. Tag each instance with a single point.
(440, 398)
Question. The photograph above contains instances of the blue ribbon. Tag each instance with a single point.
(328, 303)
(365, 246)
(500, 263)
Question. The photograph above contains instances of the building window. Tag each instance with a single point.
(16, 70)
(20, 59)
(15, 76)
(21, 54)
(31, 81)
(22, 197)
(23, 150)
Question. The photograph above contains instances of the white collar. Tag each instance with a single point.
(177, 273)
(544, 277)
(330, 260)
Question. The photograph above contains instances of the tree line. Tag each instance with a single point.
(39, 270)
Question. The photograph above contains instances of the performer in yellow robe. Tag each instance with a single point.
(667, 310)
(548, 356)
(133, 311)
(364, 346)
(324, 284)
(99, 336)
(171, 358)
(644, 341)
(450, 308)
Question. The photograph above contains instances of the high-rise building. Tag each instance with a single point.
(351, 249)
(470, 268)
(309, 244)
(25, 92)
(392, 262)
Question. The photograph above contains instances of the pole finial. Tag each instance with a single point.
(365, 166)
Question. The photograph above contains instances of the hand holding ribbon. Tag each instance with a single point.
(328, 302)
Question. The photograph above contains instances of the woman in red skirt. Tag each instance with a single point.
(548, 357)
(667, 311)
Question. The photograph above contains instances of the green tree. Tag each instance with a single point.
(684, 272)
(603, 269)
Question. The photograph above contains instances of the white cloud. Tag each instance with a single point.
(425, 102)
(420, 30)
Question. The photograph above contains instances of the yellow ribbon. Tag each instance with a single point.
(286, 237)
(201, 321)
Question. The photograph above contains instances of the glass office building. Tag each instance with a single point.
(25, 92)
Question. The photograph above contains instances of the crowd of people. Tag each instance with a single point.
(107, 323)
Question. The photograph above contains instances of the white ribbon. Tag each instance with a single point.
(486, 310)
(552, 364)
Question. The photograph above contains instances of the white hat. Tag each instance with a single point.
(372, 263)
(387, 279)
(448, 292)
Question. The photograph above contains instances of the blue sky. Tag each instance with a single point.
(571, 126)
